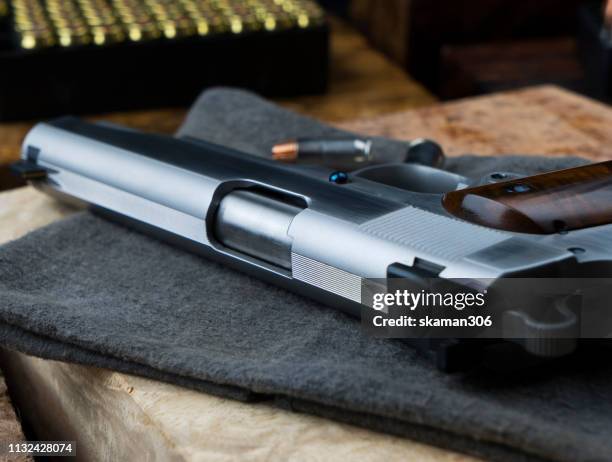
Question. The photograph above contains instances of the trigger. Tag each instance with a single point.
(413, 177)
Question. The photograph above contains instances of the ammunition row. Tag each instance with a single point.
(43, 23)
(103, 21)
(32, 24)
(68, 22)
(172, 18)
(136, 19)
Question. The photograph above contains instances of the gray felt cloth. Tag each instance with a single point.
(92, 292)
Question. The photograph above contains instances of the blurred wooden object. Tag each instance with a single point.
(363, 83)
(386, 24)
(595, 49)
(115, 416)
(476, 69)
(413, 32)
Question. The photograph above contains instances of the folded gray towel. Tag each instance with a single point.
(92, 292)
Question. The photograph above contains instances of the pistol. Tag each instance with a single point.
(321, 233)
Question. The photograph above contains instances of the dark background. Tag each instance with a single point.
(465, 47)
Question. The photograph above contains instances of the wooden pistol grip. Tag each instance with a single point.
(552, 202)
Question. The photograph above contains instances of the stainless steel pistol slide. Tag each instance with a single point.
(321, 233)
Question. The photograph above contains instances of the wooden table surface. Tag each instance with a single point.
(115, 416)
(543, 120)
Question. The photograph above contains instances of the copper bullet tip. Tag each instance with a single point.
(285, 152)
